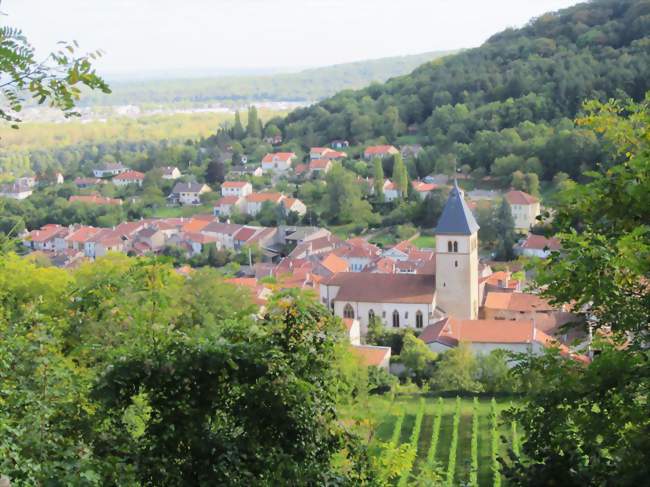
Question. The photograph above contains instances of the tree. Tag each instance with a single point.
(238, 132)
(456, 370)
(532, 183)
(417, 358)
(253, 128)
(57, 80)
(215, 173)
(344, 203)
(378, 180)
(494, 372)
(400, 176)
(518, 181)
(505, 232)
(587, 424)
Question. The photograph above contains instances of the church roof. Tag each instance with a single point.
(383, 288)
(456, 218)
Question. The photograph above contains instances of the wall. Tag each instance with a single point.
(457, 276)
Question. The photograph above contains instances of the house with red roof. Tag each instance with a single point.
(226, 205)
(44, 238)
(320, 166)
(277, 161)
(94, 199)
(76, 238)
(129, 177)
(372, 355)
(524, 207)
(391, 193)
(484, 336)
(317, 153)
(379, 152)
(537, 246)
(104, 241)
(294, 205)
(83, 183)
(423, 189)
(236, 188)
(170, 172)
(254, 201)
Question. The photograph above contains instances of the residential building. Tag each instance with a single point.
(537, 246)
(320, 166)
(379, 152)
(525, 208)
(391, 193)
(242, 170)
(373, 356)
(83, 183)
(278, 161)
(188, 193)
(129, 177)
(94, 199)
(515, 306)
(457, 258)
(339, 144)
(109, 169)
(16, 191)
(170, 172)
(317, 153)
(45, 237)
(254, 201)
(236, 188)
(294, 205)
(423, 189)
(227, 205)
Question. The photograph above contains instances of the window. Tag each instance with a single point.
(395, 319)
(419, 320)
(449, 247)
(455, 263)
(371, 315)
(406, 315)
(348, 311)
(383, 314)
(455, 246)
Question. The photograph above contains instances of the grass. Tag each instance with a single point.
(425, 242)
(180, 211)
(382, 413)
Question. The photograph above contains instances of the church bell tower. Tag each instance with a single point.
(457, 258)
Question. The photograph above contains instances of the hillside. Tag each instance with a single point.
(306, 85)
(507, 105)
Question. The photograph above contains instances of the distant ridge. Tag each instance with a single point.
(303, 86)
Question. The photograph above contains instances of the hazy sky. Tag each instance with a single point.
(157, 35)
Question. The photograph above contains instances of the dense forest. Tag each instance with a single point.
(307, 85)
(507, 105)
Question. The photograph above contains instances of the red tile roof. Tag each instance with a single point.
(234, 184)
(520, 198)
(245, 234)
(371, 355)
(195, 225)
(262, 197)
(300, 169)
(380, 149)
(422, 187)
(383, 288)
(283, 156)
(94, 200)
(47, 232)
(539, 242)
(317, 164)
(82, 234)
(516, 302)
(130, 176)
(227, 200)
(200, 237)
(334, 264)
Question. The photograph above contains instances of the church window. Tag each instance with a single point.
(449, 247)
(383, 314)
(371, 316)
(395, 319)
(455, 263)
(406, 315)
(455, 246)
(419, 321)
(348, 311)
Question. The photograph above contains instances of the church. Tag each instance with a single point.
(417, 300)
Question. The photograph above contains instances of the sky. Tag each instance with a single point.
(139, 36)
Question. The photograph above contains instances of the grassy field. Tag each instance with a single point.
(382, 414)
(179, 211)
(425, 242)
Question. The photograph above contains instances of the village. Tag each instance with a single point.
(446, 293)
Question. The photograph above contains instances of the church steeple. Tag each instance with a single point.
(457, 258)
(456, 218)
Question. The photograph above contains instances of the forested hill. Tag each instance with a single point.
(307, 85)
(514, 97)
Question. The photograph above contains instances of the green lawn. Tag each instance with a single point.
(382, 414)
(179, 211)
(425, 242)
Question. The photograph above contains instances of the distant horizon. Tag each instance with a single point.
(145, 38)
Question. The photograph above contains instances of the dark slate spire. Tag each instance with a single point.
(456, 218)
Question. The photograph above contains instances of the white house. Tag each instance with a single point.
(484, 336)
(423, 189)
(16, 191)
(524, 207)
(189, 193)
(170, 172)
(537, 246)
(294, 205)
(236, 188)
(226, 205)
(129, 177)
(110, 169)
(278, 161)
(254, 201)
(391, 193)
(379, 152)
(396, 300)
